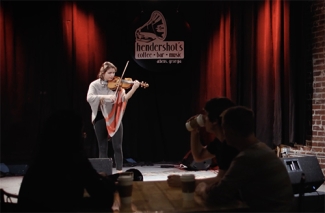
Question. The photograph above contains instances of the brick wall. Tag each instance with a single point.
(316, 145)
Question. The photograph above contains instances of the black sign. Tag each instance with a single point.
(159, 41)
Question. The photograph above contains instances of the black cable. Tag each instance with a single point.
(301, 192)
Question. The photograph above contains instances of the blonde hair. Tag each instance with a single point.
(106, 66)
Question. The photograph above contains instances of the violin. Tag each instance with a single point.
(125, 83)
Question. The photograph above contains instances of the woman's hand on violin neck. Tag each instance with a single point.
(136, 84)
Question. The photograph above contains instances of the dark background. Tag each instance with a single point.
(42, 72)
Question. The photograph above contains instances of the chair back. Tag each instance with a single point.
(9, 202)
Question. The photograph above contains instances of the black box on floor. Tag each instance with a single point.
(18, 169)
(305, 173)
(102, 165)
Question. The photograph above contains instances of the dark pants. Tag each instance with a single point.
(104, 142)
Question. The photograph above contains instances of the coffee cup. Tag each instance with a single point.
(125, 186)
(188, 186)
(194, 123)
(127, 174)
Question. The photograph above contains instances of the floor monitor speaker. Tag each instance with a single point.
(102, 165)
(305, 173)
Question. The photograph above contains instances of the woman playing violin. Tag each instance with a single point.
(108, 107)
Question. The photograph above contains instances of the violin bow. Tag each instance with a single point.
(118, 85)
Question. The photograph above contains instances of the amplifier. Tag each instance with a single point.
(102, 165)
(305, 173)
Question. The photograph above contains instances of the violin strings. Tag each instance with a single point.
(118, 85)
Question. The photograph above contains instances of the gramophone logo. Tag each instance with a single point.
(150, 41)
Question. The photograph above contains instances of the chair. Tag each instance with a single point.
(7, 204)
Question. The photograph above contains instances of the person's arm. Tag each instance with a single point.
(226, 190)
(93, 97)
(213, 180)
(135, 86)
(199, 152)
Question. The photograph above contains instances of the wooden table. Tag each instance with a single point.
(158, 197)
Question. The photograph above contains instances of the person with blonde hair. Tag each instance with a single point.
(108, 108)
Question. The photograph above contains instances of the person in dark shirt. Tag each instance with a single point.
(61, 175)
(223, 153)
(256, 172)
(218, 148)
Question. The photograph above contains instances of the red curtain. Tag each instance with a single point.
(83, 39)
(84, 43)
(215, 81)
(267, 44)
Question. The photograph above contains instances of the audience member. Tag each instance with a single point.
(218, 148)
(256, 173)
(61, 174)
